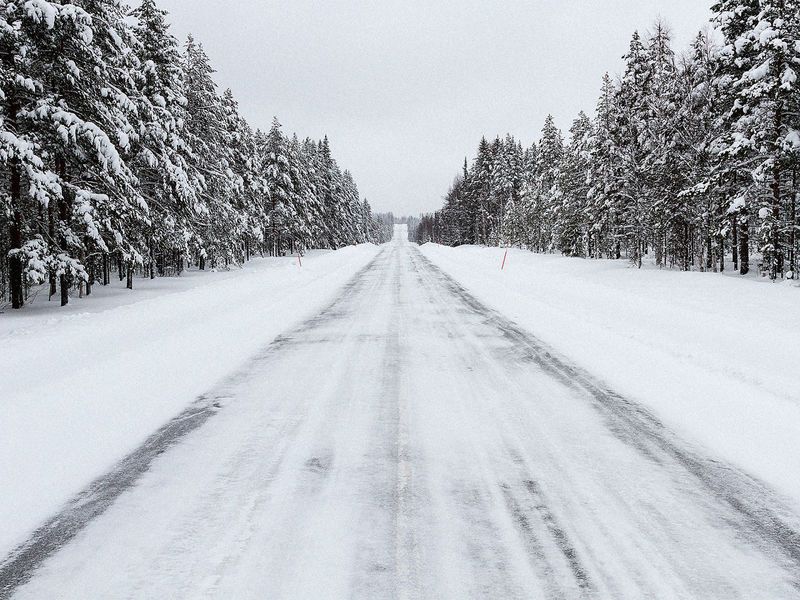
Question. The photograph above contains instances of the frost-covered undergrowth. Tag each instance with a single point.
(83, 385)
(714, 357)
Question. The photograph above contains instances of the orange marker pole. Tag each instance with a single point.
(502, 266)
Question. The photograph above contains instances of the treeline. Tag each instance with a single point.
(688, 158)
(118, 155)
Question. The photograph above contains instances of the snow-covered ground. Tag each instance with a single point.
(714, 357)
(408, 442)
(84, 384)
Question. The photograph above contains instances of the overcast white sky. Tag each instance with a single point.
(405, 89)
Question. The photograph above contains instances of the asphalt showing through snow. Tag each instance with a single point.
(408, 442)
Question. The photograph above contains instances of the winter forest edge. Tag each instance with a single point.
(119, 156)
(691, 159)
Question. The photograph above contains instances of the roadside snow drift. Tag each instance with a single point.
(714, 357)
(82, 389)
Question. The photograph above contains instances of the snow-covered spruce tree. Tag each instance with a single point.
(246, 185)
(302, 198)
(544, 195)
(732, 173)
(662, 179)
(570, 227)
(454, 229)
(163, 160)
(351, 204)
(495, 202)
(530, 162)
(83, 118)
(506, 184)
(246, 163)
(217, 227)
(117, 45)
(462, 204)
(32, 185)
(763, 58)
(327, 186)
(480, 178)
(337, 223)
(702, 199)
(313, 193)
(634, 205)
(280, 189)
(602, 179)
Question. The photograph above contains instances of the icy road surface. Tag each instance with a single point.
(409, 443)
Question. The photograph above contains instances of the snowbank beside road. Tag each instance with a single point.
(82, 387)
(716, 358)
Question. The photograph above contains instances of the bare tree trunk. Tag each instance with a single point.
(776, 262)
(106, 270)
(64, 210)
(744, 245)
(51, 231)
(81, 283)
(64, 286)
(90, 267)
(152, 260)
(15, 237)
(793, 227)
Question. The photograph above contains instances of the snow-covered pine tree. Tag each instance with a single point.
(302, 198)
(662, 179)
(33, 186)
(351, 205)
(546, 191)
(84, 119)
(211, 145)
(506, 183)
(702, 199)
(163, 160)
(734, 170)
(631, 126)
(480, 182)
(280, 188)
(765, 57)
(570, 214)
(314, 202)
(603, 196)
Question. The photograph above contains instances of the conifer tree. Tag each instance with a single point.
(603, 203)
(570, 211)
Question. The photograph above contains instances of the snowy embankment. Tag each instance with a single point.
(714, 357)
(84, 385)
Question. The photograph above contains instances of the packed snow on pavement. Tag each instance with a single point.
(714, 357)
(84, 385)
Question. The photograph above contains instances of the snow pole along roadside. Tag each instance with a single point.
(503, 264)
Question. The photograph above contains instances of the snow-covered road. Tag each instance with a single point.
(408, 442)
